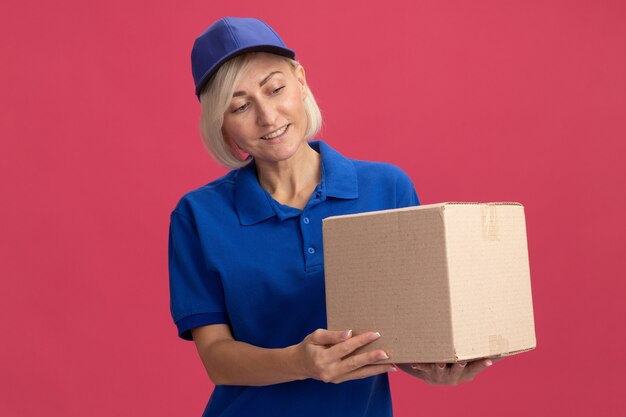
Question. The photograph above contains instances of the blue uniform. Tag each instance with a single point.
(239, 257)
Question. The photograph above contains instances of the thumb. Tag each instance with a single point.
(329, 337)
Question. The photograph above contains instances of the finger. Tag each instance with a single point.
(424, 367)
(440, 374)
(350, 345)
(475, 367)
(329, 337)
(355, 362)
(456, 371)
(366, 371)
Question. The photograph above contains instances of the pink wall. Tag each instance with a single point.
(477, 101)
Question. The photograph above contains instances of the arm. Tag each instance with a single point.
(318, 356)
(195, 288)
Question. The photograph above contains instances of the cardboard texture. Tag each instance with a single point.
(441, 283)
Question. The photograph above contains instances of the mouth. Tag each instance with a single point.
(276, 134)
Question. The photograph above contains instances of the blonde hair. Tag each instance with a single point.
(215, 99)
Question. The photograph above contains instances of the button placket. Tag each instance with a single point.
(308, 244)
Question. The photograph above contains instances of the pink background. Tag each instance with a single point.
(476, 100)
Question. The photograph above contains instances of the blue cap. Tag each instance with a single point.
(227, 38)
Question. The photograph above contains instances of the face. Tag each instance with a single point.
(266, 117)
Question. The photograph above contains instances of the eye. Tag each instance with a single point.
(276, 91)
(240, 108)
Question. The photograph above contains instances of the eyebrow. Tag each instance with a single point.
(266, 79)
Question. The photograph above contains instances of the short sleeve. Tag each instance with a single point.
(406, 196)
(196, 291)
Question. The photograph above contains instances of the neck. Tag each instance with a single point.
(293, 177)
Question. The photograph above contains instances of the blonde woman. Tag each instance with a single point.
(245, 250)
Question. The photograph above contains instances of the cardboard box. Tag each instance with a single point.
(441, 283)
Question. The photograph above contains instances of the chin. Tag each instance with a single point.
(283, 152)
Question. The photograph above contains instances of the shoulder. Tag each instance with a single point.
(212, 194)
(367, 172)
(385, 172)
(388, 179)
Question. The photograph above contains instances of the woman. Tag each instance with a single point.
(245, 250)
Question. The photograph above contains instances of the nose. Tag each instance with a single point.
(266, 113)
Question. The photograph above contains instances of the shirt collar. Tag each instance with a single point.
(253, 203)
(339, 174)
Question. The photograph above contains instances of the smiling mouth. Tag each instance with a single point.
(276, 133)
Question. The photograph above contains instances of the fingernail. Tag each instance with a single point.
(488, 363)
(462, 364)
(441, 365)
(383, 355)
(394, 369)
(346, 334)
(374, 336)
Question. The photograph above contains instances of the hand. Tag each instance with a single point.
(448, 374)
(321, 354)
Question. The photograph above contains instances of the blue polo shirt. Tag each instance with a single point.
(239, 257)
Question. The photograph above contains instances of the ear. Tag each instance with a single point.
(301, 77)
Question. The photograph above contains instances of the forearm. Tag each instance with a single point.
(230, 362)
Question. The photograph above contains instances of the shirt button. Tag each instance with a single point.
(311, 251)
(305, 220)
